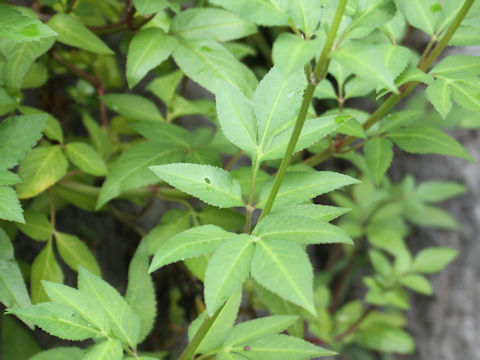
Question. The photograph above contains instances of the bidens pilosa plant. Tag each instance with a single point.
(283, 84)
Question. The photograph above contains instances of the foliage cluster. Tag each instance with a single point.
(285, 85)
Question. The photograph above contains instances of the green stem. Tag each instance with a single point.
(405, 90)
(250, 208)
(318, 73)
(202, 331)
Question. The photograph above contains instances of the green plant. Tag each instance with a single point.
(249, 233)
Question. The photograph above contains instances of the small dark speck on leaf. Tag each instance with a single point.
(207, 180)
(246, 348)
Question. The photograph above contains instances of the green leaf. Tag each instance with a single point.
(417, 283)
(467, 95)
(214, 24)
(432, 260)
(60, 353)
(44, 267)
(352, 127)
(357, 87)
(380, 263)
(236, 117)
(53, 129)
(210, 184)
(299, 229)
(455, 66)
(86, 158)
(148, 49)
(439, 94)
(18, 27)
(206, 62)
(8, 178)
(396, 58)
(78, 301)
(465, 36)
(284, 268)
(281, 347)
(424, 15)
(36, 225)
(227, 270)
(141, 292)
(325, 90)
(291, 53)
(369, 16)
(312, 211)
(20, 58)
(305, 14)
(426, 140)
(257, 328)
(57, 320)
(266, 12)
(165, 87)
(276, 101)
(146, 7)
(16, 342)
(300, 186)
(378, 156)
(385, 338)
(197, 241)
(72, 32)
(18, 135)
(131, 171)
(10, 208)
(366, 62)
(98, 136)
(436, 191)
(125, 324)
(110, 349)
(76, 253)
(41, 168)
(133, 106)
(13, 292)
(220, 328)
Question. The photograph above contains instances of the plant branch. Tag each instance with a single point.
(340, 285)
(356, 324)
(317, 76)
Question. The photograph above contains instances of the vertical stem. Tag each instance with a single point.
(249, 207)
(318, 73)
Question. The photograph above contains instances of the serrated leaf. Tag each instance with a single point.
(148, 49)
(291, 53)
(369, 16)
(44, 267)
(141, 291)
(58, 320)
(10, 208)
(197, 241)
(396, 58)
(146, 7)
(53, 129)
(125, 324)
(424, 15)
(300, 186)
(357, 87)
(457, 65)
(465, 36)
(436, 191)
(236, 117)
(41, 168)
(281, 347)
(352, 127)
(133, 106)
(98, 136)
(257, 328)
(284, 268)
(219, 329)
(366, 62)
(18, 27)
(36, 225)
(267, 13)
(206, 62)
(8, 178)
(466, 95)
(417, 283)
(72, 32)
(432, 260)
(312, 211)
(305, 14)
(277, 100)
(210, 184)
(20, 58)
(18, 135)
(76, 253)
(378, 154)
(227, 270)
(110, 349)
(86, 158)
(439, 94)
(300, 230)
(60, 353)
(81, 303)
(208, 23)
(425, 140)
(131, 171)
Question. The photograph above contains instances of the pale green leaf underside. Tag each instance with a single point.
(10, 208)
(110, 349)
(76, 253)
(378, 156)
